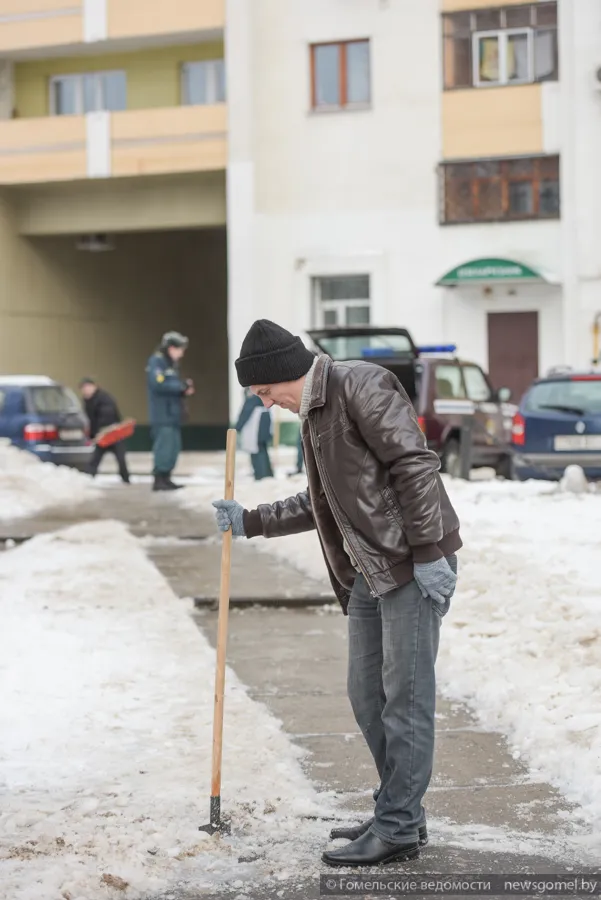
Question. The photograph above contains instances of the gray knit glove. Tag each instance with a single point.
(230, 514)
(435, 580)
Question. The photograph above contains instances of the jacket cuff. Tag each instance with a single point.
(425, 553)
(253, 524)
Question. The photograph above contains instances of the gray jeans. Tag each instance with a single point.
(393, 644)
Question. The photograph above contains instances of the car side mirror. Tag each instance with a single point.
(504, 394)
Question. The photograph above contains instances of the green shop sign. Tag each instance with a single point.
(483, 271)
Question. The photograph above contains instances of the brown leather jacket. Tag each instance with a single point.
(371, 478)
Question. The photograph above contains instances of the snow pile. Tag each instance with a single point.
(574, 481)
(106, 709)
(522, 642)
(28, 486)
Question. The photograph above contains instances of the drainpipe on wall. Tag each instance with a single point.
(596, 330)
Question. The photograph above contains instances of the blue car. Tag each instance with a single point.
(558, 424)
(44, 417)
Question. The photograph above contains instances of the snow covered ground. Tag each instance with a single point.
(522, 642)
(106, 705)
(28, 486)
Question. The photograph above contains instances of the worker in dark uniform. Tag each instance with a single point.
(166, 392)
(102, 410)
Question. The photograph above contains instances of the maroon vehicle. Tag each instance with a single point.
(443, 389)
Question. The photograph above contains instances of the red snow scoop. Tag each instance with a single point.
(110, 435)
(216, 824)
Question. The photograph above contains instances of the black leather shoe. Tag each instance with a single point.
(369, 850)
(171, 486)
(352, 833)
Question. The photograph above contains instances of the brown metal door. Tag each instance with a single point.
(513, 351)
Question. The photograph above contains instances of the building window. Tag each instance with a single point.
(340, 75)
(492, 47)
(340, 300)
(74, 95)
(500, 190)
(203, 83)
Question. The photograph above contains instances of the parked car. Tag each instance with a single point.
(443, 388)
(44, 417)
(558, 423)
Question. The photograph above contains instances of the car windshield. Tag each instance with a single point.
(53, 399)
(367, 346)
(569, 396)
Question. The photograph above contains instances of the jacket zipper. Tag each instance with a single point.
(333, 506)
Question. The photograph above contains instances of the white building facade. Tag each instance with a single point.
(433, 165)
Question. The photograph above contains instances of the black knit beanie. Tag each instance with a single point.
(270, 355)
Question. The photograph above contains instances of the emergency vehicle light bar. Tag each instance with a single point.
(438, 348)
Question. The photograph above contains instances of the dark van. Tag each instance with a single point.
(443, 389)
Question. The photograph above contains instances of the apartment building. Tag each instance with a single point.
(113, 157)
(202, 163)
(432, 164)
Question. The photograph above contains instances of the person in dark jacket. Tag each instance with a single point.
(299, 457)
(166, 392)
(102, 410)
(254, 426)
(389, 536)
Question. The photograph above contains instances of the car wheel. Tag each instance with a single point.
(505, 468)
(451, 458)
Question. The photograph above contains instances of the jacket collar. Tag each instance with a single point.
(321, 375)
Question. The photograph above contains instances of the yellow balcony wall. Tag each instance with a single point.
(454, 5)
(184, 139)
(143, 18)
(28, 24)
(504, 121)
(142, 142)
(153, 76)
(40, 150)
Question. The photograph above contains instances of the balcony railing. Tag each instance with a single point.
(135, 142)
(35, 24)
(144, 18)
(30, 24)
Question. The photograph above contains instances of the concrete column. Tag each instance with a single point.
(240, 184)
(580, 105)
(98, 144)
(94, 20)
(7, 97)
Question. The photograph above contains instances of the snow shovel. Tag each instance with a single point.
(216, 824)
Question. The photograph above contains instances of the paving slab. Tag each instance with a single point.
(144, 512)
(295, 663)
(195, 572)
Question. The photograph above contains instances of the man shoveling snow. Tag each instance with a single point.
(389, 536)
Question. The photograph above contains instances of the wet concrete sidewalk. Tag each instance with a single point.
(487, 813)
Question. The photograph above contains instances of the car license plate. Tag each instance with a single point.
(578, 442)
(73, 434)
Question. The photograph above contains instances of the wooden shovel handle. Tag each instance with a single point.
(224, 604)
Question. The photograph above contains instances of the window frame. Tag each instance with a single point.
(456, 366)
(78, 78)
(504, 178)
(343, 103)
(502, 36)
(491, 393)
(212, 63)
(320, 306)
(455, 29)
